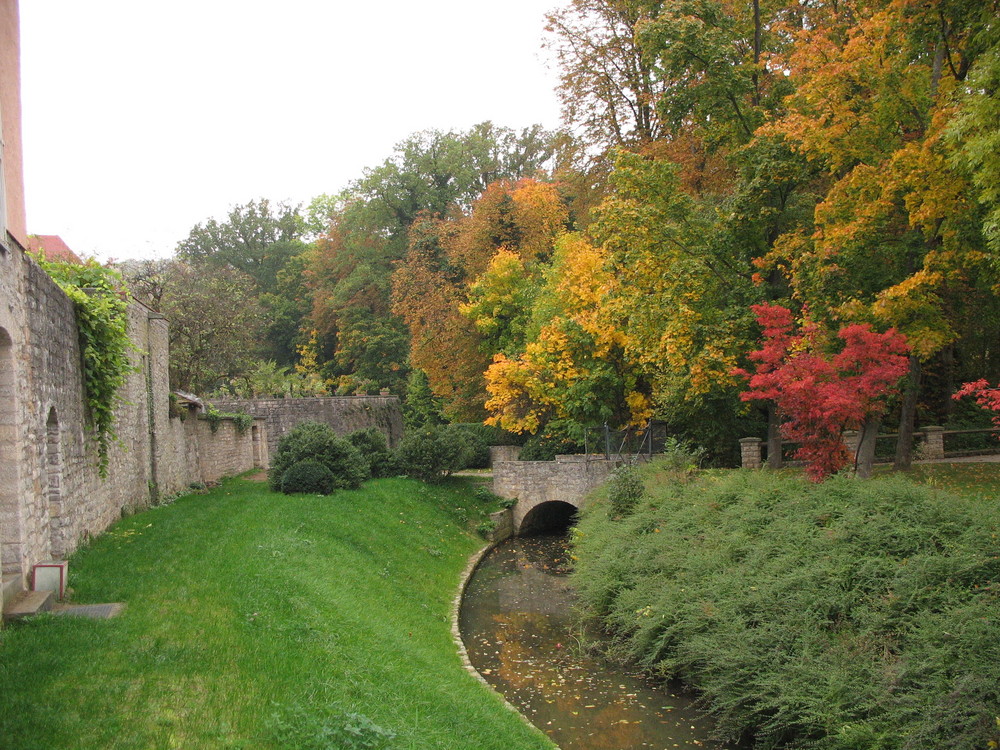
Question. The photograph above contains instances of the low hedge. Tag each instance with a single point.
(844, 615)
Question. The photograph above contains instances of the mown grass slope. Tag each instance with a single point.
(258, 620)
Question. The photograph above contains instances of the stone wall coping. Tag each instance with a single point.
(303, 399)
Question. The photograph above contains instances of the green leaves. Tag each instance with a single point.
(99, 300)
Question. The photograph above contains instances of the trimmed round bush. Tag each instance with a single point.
(309, 476)
(320, 442)
(432, 453)
(374, 449)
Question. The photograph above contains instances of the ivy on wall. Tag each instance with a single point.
(100, 301)
(213, 416)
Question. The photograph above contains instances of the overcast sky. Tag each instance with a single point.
(142, 119)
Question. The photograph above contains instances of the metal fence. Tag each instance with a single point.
(629, 443)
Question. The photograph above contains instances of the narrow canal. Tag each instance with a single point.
(519, 628)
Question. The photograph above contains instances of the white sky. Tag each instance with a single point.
(142, 119)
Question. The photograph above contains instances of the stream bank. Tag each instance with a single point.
(520, 631)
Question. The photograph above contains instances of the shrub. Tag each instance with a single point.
(432, 453)
(318, 441)
(625, 490)
(546, 446)
(476, 447)
(493, 435)
(843, 615)
(680, 456)
(374, 449)
(308, 475)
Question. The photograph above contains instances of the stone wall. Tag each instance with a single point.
(227, 451)
(568, 479)
(344, 414)
(500, 453)
(51, 494)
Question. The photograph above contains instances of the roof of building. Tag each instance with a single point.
(189, 400)
(52, 247)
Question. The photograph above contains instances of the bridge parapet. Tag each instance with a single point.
(568, 479)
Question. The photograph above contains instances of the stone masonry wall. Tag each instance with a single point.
(227, 451)
(51, 495)
(344, 414)
(568, 479)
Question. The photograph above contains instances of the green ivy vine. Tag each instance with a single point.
(100, 302)
(241, 420)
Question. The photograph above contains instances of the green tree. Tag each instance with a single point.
(216, 325)
(256, 238)
(430, 174)
(607, 86)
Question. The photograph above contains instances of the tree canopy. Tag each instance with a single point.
(838, 159)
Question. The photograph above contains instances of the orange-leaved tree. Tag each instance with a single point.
(575, 368)
(896, 241)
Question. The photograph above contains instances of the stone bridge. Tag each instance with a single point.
(548, 493)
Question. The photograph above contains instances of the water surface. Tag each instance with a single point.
(519, 628)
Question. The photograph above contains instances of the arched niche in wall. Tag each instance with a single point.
(53, 472)
(11, 543)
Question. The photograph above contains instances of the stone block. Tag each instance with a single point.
(29, 603)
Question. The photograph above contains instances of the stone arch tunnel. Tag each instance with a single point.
(548, 493)
(547, 516)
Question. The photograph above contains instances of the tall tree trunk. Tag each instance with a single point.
(948, 360)
(773, 439)
(756, 52)
(865, 456)
(907, 416)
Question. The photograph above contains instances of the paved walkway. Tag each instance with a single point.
(990, 459)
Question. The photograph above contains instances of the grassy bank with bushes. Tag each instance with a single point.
(261, 620)
(844, 615)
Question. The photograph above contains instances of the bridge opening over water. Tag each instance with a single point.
(553, 517)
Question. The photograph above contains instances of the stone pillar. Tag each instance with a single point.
(503, 525)
(750, 452)
(504, 453)
(933, 442)
(851, 440)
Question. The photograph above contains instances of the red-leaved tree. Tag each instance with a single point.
(986, 396)
(819, 395)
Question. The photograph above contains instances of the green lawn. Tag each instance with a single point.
(980, 480)
(257, 620)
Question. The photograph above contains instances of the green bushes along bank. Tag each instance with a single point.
(842, 616)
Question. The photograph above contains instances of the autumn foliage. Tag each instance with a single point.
(820, 395)
(985, 395)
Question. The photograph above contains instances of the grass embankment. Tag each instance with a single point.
(258, 620)
(849, 615)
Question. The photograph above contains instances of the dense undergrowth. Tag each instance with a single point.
(261, 620)
(846, 615)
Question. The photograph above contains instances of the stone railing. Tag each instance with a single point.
(931, 448)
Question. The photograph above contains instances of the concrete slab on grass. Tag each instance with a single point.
(91, 611)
